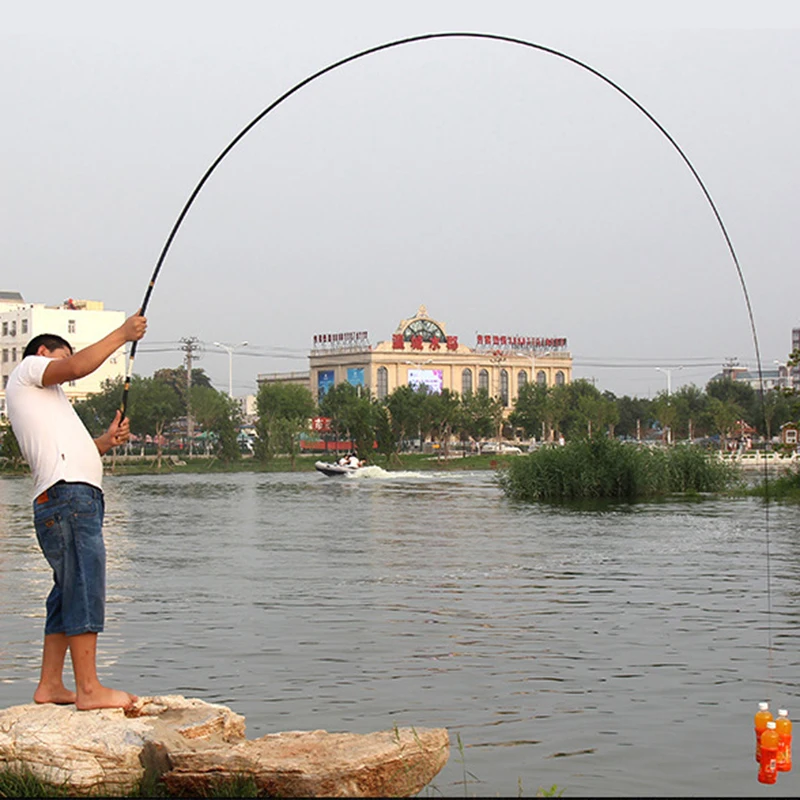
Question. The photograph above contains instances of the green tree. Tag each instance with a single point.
(739, 393)
(444, 412)
(404, 406)
(97, 410)
(724, 415)
(176, 378)
(9, 447)
(152, 405)
(635, 416)
(691, 406)
(217, 414)
(666, 409)
(284, 411)
(480, 416)
(353, 414)
(530, 409)
(384, 435)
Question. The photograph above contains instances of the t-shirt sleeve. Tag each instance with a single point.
(32, 370)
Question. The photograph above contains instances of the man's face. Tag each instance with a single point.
(59, 352)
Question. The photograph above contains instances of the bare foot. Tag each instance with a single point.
(59, 695)
(103, 697)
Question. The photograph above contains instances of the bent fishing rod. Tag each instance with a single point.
(421, 38)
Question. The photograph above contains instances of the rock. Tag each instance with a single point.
(192, 745)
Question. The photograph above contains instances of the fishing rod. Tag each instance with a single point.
(406, 41)
(507, 40)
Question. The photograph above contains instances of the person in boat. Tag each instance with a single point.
(352, 461)
(68, 506)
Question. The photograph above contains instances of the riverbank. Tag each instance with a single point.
(416, 462)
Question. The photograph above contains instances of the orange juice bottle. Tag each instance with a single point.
(784, 727)
(768, 771)
(763, 716)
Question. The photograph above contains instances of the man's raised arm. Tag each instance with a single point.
(86, 361)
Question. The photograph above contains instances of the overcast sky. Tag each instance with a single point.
(507, 189)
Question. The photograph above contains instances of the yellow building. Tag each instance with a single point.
(421, 351)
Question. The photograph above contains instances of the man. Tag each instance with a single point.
(68, 506)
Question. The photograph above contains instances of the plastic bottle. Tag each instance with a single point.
(784, 727)
(763, 716)
(768, 771)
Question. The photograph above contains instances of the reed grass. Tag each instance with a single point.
(784, 487)
(602, 468)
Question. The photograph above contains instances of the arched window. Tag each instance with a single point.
(559, 378)
(383, 382)
(504, 387)
(541, 378)
(522, 379)
(483, 380)
(466, 382)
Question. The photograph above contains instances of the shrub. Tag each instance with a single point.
(601, 468)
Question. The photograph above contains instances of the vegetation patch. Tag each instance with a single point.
(785, 487)
(603, 468)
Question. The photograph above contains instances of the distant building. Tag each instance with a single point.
(80, 322)
(421, 351)
(774, 377)
(247, 408)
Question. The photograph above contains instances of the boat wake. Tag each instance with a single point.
(373, 472)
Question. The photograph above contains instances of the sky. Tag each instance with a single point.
(507, 189)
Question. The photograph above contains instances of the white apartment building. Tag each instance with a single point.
(80, 322)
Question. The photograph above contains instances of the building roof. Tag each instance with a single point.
(11, 297)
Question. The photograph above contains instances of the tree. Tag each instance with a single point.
(530, 409)
(480, 416)
(9, 447)
(404, 405)
(284, 411)
(176, 378)
(691, 406)
(218, 414)
(152, 405)
(667, 414)
(724, 414)
(635, 416)
(352, 412)
(736, 392)
(444, 410)
(97, 410)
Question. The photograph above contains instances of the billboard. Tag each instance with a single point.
(355, 376)
(432, 378)
(324, 382)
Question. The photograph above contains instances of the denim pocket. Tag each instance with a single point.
(51, 538)
(83, 506)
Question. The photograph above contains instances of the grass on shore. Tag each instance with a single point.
(23, 783)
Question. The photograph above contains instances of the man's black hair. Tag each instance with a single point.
(51, 341)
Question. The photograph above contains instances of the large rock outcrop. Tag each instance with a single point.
(192, 745)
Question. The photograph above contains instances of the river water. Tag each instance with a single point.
(615, 651)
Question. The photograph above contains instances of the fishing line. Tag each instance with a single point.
(508, 40)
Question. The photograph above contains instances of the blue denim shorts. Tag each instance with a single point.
(69, 526)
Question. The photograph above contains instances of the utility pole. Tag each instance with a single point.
(190, 345)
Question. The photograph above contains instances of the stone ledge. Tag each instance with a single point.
(192, 744)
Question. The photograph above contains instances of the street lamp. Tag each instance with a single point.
(668, 372)
(230, 349)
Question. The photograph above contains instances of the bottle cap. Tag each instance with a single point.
(782, 712)
(763, 706)
(771, 725)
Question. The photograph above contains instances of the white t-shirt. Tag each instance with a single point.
(52, 437)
